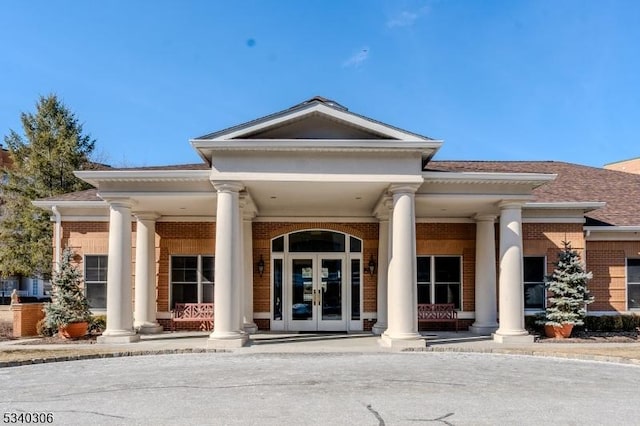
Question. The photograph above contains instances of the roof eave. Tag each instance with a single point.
(586, 206)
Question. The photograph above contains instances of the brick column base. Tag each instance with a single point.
(25, 318)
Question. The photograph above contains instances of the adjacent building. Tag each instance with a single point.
(318, 218)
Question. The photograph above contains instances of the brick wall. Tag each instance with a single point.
(545, 239)
(607, 261)
(25, 318)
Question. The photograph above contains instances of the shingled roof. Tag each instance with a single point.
(575, 182)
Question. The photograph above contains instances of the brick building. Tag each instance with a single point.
(317, 218)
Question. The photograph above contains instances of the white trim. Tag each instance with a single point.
(261, 315)
(566, 205)
(603, 235)
(332, 145)
(486, 177)
(207, 219)
(517, 198)
(316, 177)
(301, 111)
(444, 220)
(95, 176)
(138, 194)
(612, 228)
(580, 220)
(316, 219)
(104, 218)
(369, 316)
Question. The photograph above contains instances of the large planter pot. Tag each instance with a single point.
(558, 331)
(73, 330)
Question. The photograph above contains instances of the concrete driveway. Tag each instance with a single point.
(326, 388)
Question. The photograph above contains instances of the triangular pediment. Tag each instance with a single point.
(314, 126)
(317, 118)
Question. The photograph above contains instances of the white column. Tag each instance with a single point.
(247, 245)
(119, 310)
(511, 277)
(486, 308)
(144, 314)
(384, 255)
(402, 308)
(226, 330)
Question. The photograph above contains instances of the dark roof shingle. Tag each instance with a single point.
(575, 182)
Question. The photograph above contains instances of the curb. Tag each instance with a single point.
(526, 352)
(6, 364)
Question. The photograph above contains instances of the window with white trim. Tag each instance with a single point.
(95, 280)
(633, 284)
(534, 289)
(440, 280)
(191, 279)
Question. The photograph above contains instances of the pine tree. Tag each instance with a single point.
(69, 303)
(53, 146)
(568, 287)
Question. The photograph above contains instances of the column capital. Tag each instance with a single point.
(228, 186)
(510, 205)
(404, 188)
(119, 202)
(485, 217)
(146, 215)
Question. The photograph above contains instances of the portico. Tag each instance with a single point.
(316, 194)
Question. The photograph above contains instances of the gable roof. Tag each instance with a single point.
(310, 106)
(575, 183)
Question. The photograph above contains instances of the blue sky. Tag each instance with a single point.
(496, 80)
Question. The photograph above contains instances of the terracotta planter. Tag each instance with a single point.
(73, 330)
(558, 332)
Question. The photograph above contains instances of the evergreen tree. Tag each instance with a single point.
(568, 287)
(69, 302)
(44, 158)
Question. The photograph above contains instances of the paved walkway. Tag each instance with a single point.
(179, 342)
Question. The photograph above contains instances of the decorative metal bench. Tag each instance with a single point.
(193, 312)
(438, 312)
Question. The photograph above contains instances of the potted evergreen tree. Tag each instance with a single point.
(68, 313)
(566, 307)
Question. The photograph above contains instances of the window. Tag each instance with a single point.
(192, 279)
(444, 285)
(534, 272)
(633, 283)
(95, 280)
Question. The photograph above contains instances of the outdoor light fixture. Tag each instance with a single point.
(372, 265)
(261, 266)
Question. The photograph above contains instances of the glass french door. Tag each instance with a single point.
(316, 287)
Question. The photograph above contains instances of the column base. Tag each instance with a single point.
(395, 343)
(483, 329)
(519, 338)
(237, 341)
(149, 329)
(378, 329)
(250, 328)
(118, 338)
